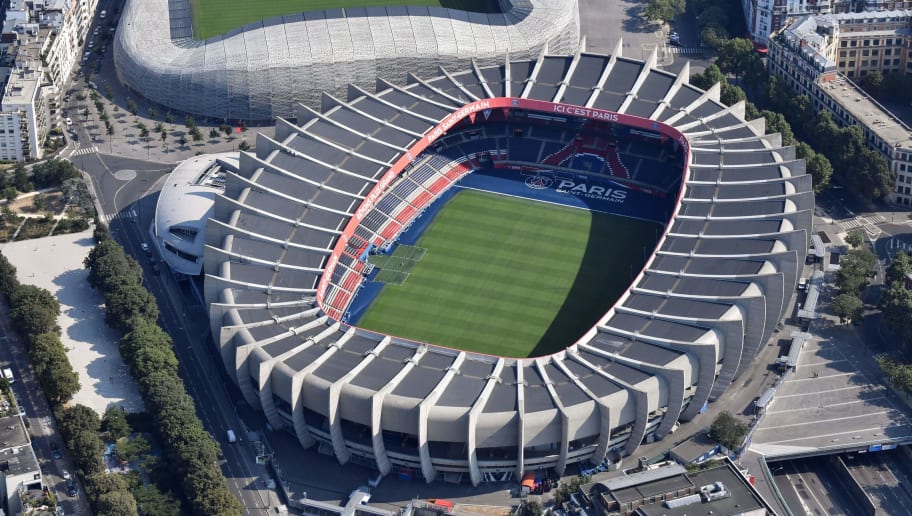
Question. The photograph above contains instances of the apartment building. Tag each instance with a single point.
(41, 42)
(765, 17)
(808, 55)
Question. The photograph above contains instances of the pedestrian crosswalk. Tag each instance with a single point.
(82, 151)
(686, 50)
(868, 224)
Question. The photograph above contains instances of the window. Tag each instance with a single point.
(867, 42)
(864, 63)
(842, 53)
(843, 43)
(853, 43)
(852, 53)
(888, 51)
(863, 73)
(876, 42)
(896, 62)
(875, 52)
(865, 53)
(842, 64)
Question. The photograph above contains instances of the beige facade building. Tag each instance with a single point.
(819, 56)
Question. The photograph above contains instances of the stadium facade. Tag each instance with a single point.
(282, 267)
(262, 70)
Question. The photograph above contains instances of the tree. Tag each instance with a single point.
(855, 267)
(117, 503)
(152, 501)
(855, 239)
(76, 418)
(817, 165)
(182, 140)
(133, 449)
(114, 423)
(53, 173)
(164, 135)
(243, 146)
(530, 508)
(227, 129)
(213, 133)
(131, 107)
(664, 10)
(34, 310)
(848, 307)
(872, 83)
(776, 123)
(190, 122)
(153, 113)
(196, 134)
(59, 381)
(159, 127)
(20, 178)
(8, 281)
(86, 449)
(899, 269)
(896, 313)
(739, 58)
(728, 431)
(169, 117)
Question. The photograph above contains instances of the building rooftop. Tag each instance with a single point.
(12, 432)
(884, 124)
(19, 460)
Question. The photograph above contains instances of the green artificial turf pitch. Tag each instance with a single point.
(214, 17)
(510, 277)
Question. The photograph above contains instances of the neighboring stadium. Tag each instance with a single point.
(325, 221)
(263, 69)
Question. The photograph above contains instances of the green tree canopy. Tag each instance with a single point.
(900, 267)
(855, 267)
(728, 430)
(855, 238)
(664, 10)
(847, 306)
(76, 418)
(34, 310)
(114, 423)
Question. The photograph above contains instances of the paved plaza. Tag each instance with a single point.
(55, 263)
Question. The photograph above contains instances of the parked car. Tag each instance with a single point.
(145, 247)
(55, 451)
(71, 487)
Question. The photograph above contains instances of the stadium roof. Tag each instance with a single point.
(280, 272)
(263, 69)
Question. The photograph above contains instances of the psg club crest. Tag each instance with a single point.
(539, 182)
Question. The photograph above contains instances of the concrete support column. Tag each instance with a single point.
(424, 409)
(474, 413)
(520, 421)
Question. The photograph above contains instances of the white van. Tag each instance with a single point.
(103, 15)
(231, 437)
(8, 374)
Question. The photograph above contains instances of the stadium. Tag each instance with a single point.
(264, 68)
(455, 178)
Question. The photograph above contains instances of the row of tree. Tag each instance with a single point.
(856, 268)
(34, 313)
(147, 349)
(897, 372)
(864, 172)
(896, 302)
(108, 493)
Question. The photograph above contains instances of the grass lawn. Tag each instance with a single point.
(214, 17)
(511, 277)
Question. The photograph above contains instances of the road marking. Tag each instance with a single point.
(818, 437)
(824, 406)
(85, 150)
(806, 423)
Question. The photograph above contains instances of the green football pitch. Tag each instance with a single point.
(214, 17)
(508, 276)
